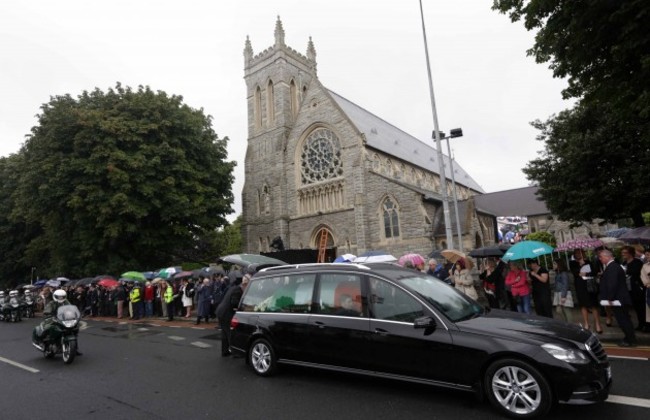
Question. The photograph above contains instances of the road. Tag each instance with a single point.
(159, 370)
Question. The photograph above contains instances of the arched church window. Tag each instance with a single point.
(293, 90)
(391, 218)
(257, 108)
(320, 157)
(270, 104)
(266, 199)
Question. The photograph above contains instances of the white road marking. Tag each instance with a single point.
(143, 329)
(176, 338)
(201, 345)
(638, 402)
(628, 357)
(19, 365)
(83, 325)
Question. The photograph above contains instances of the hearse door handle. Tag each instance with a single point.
(320, 324)
(381, 331)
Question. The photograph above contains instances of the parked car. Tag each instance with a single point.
(385, 321)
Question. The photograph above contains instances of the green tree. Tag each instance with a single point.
(595, 153)
(120, 180)
(230, 239)
(583, 174)
(541, 236)
(601, 46)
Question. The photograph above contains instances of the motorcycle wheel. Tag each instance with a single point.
(69, 350)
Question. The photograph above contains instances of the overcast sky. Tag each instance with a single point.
(370, 52)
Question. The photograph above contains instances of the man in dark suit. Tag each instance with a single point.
(613, 288)
(226, 309)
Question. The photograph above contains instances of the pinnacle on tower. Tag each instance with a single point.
(311, 51)
(279, 33)
(248, 50)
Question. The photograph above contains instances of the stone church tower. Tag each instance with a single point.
(319, 165)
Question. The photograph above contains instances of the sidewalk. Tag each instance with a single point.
(613, 335)
(178, 322)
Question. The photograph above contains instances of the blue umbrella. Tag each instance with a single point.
(527, 249)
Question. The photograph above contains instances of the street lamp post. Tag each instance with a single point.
(456, 132)
(441, 169)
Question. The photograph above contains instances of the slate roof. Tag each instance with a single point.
(517, 202)
(391, 140)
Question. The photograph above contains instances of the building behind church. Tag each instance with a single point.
(320, 169)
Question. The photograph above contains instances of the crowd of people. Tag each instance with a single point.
(187, 297)
(599, 285)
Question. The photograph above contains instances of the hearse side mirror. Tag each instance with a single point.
(424, 322)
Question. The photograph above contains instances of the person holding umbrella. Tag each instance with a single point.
(518, 282)
(542, 295)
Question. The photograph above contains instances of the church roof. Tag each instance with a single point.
(517, 202)
(389, 139)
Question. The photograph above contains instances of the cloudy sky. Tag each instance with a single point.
(370, 52)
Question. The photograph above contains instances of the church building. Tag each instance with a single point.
(321, 171)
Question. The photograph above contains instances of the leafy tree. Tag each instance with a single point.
(119, 180)
(230, 239)
(602, 46)
(13, 236)
(540, 236)
(592, 164)
(584, 175)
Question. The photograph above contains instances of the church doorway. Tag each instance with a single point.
(323, 240)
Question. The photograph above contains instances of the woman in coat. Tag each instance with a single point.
(463, 279)
(203, 301)
(517, 279)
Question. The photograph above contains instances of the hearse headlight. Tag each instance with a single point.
(566, 354)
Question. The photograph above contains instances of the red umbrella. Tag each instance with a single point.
(108, 283)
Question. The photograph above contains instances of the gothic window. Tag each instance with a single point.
(257, 108)
(270, 105)
(391, 218)
(265, 202)
(293, 90)
(321, 157)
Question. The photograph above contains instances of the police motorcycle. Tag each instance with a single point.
(28, 304)
(57, 334)
(3, 300)
(11, 307)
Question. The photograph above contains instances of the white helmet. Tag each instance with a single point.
(28, 292)
(13, 293)
(59, 295)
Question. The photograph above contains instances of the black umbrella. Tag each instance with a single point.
(487, 251)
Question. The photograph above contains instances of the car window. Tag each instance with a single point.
(340, 294)
(392, 303)
(279, 294)
(454, 304)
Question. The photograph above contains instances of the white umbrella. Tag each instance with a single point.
(375, 259)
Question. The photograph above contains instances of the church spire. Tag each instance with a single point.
(279, 33)
(248, 51)
(311, 51)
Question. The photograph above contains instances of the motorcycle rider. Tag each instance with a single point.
(28, 301)
(59, 299)
(3, 299)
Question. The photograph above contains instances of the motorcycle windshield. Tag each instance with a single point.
(68, 313)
